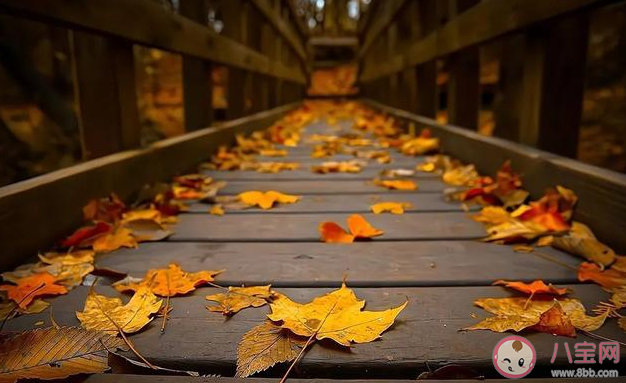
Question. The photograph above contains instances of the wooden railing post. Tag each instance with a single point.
(464, 83)
(426, 73)
(106, 91)
(197, 80)
(507, 108)
(236, 89)
(553, 86)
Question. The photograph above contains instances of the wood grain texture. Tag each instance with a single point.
(316, 264)
(157, 27)
(350, 203)
(62, 194)
(426, 334)
(327, 187)
(304, 227)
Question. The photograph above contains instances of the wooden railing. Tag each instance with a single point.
(261, 45)
(543, 65)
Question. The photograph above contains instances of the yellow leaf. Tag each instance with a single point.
(71, 258)
(55, 353)
(115, 239)
(273, 153)
(337, 167)
(397, 184)
(266, 200)
(337, 315)
(10, 309)
(580, 241)
(427, 167)
(460, 175)
(264, 346)
(239, 298)
(392, 207)
(108, 313)
(216, 210)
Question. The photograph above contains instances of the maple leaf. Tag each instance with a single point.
(337, 315)
(111, 315)
(117, 238)
(359, 228)
(555, 321)
(392, 207)
(606, 278)
(28, 288)
(535, 287)
(239, 298)
(216, 209)
(581, 241)
(397, 184)
(168, 282)
(55, 353)
(265, 200)
(518, 314)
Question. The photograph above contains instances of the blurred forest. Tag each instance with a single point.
(39, 128)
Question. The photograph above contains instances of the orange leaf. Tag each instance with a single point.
(392, 207)
(397, 184)
(333, 233)
(216, 210)
(168, 282)
(360, 228)
(108, 209)
(608, 278)
(555, 321)
(266, 200)
(31, 287)
(113, 240)
(536, 287)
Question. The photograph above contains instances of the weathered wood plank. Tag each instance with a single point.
(601, 192)
(63, 193)
(424, 336)
(469, 29)
(304, 227)
(326, 187)
(424, 263)
(351, 203)
(157, 27)
(305, 173)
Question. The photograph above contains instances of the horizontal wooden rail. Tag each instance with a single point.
(601, 192)
(36, 213)
(379, 23)
(283, 27)
(470, 28)
(147, 23)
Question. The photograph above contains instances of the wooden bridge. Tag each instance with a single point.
(431, 256)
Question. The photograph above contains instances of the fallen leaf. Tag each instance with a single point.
(535, 287)
(239, 298)
(275, 167)
(117, 238)
(69, 258)
(360, 228)
(109, 209)
(168, 282)
(86, 235)
(396, 184)
(337, 315)
(460, 175)
(109, 314)
(55, 353)
(580, 241)
(216, 210)
(28, 288)
(266, 200)
(10, 309)
(337, 167)
(147, 230)
(333, 233)
(422, 144)
(555, 321)
(264, 346)
(273, 153)
(606, 278)
(392, 207)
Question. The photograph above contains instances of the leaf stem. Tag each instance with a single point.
(17, 306)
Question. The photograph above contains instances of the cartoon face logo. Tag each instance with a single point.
(514, 357)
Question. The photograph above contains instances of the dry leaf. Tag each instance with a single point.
(266, 200)
(86, 235)
(392, 207)
(337, 167)
(337, 315)
(535, 287)
(273, 153)
(117, 238)
(239, 298)
(333, 233)
(33, 286)
(10, 309)
(359, 228)
(264, 346)
(109, 314)
(555, 321)
(581, 241)
(109, 209)
(422, 144)
(216, 210)
(608, 278)
(55, 353)
(167, 282)
(396, 184)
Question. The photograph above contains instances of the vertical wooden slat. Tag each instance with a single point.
(507, 108)
(197, 82)
(426, 74)
(553, 84)
(464, 83)
(106, 93)
(235, 92)
(391, 42)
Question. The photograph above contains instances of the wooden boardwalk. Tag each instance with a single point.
(430, 255)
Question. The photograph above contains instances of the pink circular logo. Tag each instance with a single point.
(514, 357)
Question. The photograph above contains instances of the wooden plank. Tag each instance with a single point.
(425, 335)
(304, 227)
(376, 263)
(553, 85)
(305, 173)
(283, 27)
(351, 203)
(327, 187)
(469, 29)
(157, 27)
(106, 93)
(63, 193)
(601, 192)
(385, 13)
(197, 81)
